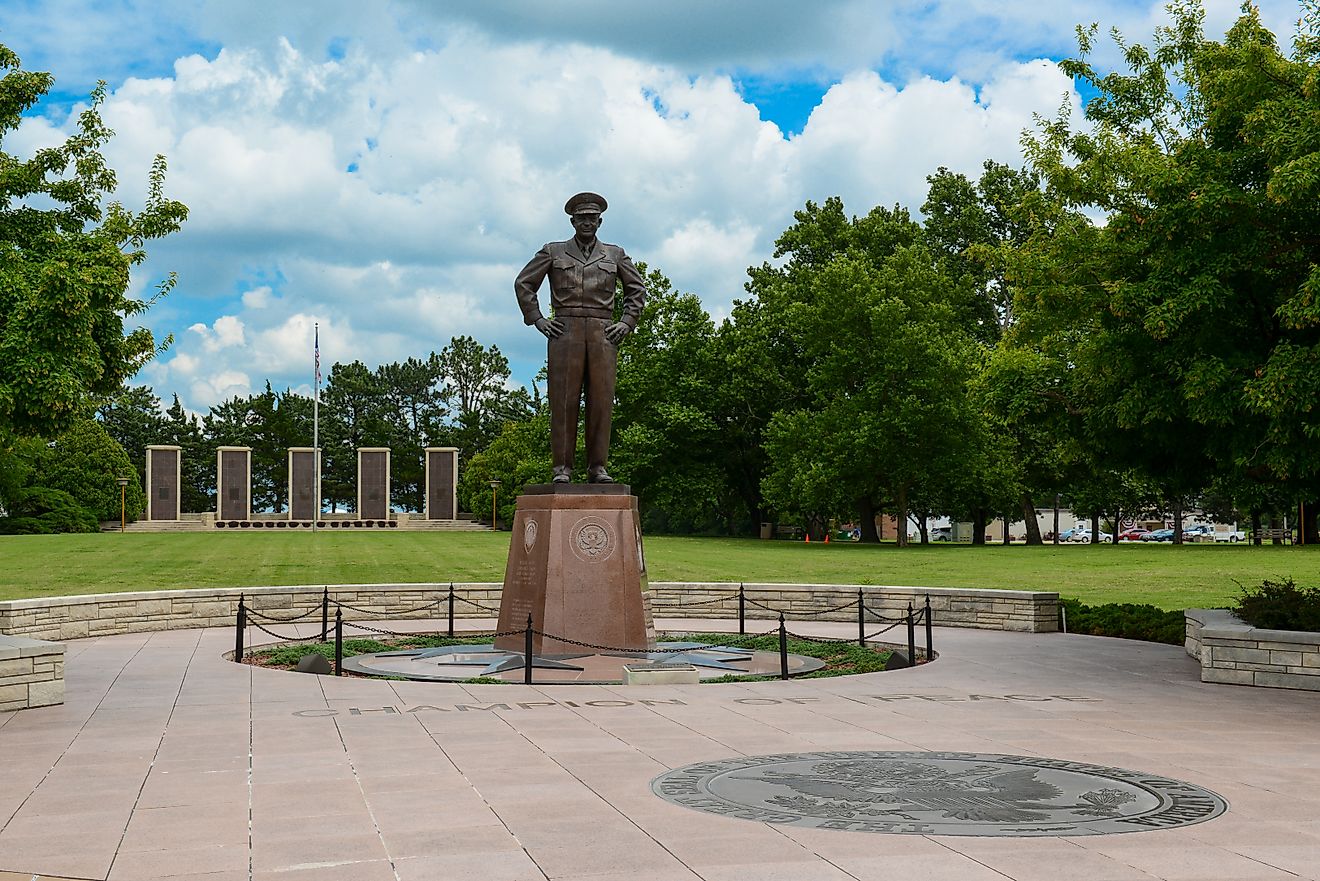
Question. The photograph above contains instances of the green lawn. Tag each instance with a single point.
(1173, 578)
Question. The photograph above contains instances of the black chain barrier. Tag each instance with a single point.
(284, 638)
(635, 650)
(271, 619)
(911, 619)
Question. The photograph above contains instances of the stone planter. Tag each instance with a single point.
(1233, 652)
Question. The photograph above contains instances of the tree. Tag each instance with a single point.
(519, 456)
(881, 330)
(968, 225)
(197, 492)
(86, 462)
(668, 439)
(352, 416)
(133, 418)
(64, 269)
(1200, 358)
(413, 408)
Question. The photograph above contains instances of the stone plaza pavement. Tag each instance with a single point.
(169, 762)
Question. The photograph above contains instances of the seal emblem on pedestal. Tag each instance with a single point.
(529, 535)
(592, 539)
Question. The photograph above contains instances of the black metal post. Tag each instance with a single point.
(325, 614)
(339, 641)
(912, 636)
(527, 652)
(930, 649)
(451, 608)
(861, 618)
(783, 648)
(742, 610)
(238, 630)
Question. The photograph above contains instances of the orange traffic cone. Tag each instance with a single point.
(807, 537)
(827, 538)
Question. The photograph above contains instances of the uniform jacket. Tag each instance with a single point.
(581, 285)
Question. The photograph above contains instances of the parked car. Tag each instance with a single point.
(1158, 535)
(1231, 535)
(1084, 536)
(942, 533)
(1133, 534)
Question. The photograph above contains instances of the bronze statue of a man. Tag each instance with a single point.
(583, 349)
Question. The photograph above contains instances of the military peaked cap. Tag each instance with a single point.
(586, 203)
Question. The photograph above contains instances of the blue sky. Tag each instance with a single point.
(384, 168)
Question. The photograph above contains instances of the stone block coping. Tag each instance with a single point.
(31, 673)
(1233, 652)
(76, 617)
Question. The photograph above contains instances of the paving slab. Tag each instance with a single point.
(168, 762)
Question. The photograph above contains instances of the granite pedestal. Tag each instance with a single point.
(576, 565)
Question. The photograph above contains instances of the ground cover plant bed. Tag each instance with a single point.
(841, 658)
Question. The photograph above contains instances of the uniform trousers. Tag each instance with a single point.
(581, 361)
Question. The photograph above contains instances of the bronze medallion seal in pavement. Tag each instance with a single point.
(938, 793)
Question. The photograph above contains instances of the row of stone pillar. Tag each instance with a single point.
(233, 483)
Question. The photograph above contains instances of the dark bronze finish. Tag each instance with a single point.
(528, 657)
(585, 274)
(238, 630)
(451, 609)
(912, 636)
(930, 648)
(325, 613)
(861, 618)
(783, 648)
(742, 610)
(339, 641)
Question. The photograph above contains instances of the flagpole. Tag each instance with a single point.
(316, 422)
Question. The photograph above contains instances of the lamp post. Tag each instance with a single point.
(494, 488)
(123, 495)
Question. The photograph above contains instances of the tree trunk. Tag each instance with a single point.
(1029, 515)
(1274, 524)
(1095, 529)
(978, 526)
(1177, 522)
(866, 510)
(1255, 526)
(900, 521)
(1306, 524)
(1118, 520)
(1006, 537)
(923, 529)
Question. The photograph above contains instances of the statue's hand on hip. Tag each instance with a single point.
(616, 332)
(550, 327)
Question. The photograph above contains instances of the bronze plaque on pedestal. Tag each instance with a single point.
(577, 566)
(302, 484)
(373, 483)
(233, 483)
(162, 482)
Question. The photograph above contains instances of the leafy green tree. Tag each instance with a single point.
(196, 458)
(1198, 361)
(65, 256)
(519, 456)
(881, 329)
(670, 442)
(968, 225)
(85, 462)
(134, 419)
(352, 416)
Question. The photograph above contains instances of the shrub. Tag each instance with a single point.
(39, 510)
(1280, 605)
(1126, 621)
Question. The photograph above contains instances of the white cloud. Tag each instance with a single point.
(392, 197)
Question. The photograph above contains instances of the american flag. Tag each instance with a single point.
(316, 354)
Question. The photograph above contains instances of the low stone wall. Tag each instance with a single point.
(1233, 652)
(31, 673)
(76, 617)
(1030, 611)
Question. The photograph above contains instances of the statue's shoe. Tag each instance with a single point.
(601, 476)
(562, 475)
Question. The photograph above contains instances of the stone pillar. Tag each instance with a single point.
(304, 465)
(233, 483)
(373, 495)
(441, 483)
(164, 477)
(576, 565)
